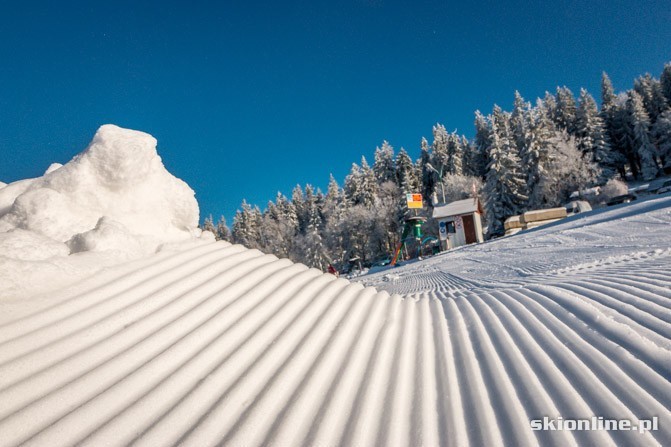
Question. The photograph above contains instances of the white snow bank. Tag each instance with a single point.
(115, 197)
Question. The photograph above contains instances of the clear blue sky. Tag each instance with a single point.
(247, 98)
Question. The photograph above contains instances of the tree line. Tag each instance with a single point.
(531, 157)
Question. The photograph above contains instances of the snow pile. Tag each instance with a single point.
(116, 198)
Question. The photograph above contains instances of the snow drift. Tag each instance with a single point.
(116, 199)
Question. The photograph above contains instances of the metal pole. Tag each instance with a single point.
(442, 187)
(440, 178)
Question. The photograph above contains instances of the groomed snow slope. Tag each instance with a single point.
(214, 344)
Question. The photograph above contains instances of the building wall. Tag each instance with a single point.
(478, 227)
(458, 238)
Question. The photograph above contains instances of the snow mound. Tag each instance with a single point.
(52, 167)
(107, 235)
(116, 196)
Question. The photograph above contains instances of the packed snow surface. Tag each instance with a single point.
(207, 343)
(113, 202)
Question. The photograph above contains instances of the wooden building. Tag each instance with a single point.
(459, 223)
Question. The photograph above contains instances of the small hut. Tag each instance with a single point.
(459, 223)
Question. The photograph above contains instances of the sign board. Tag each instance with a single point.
(458, 223)
(442, 230)
(414, 200)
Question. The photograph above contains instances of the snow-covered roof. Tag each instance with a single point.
(456, 208)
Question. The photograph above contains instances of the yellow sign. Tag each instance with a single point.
(414, 200)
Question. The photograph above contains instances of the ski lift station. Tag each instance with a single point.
(459, 223)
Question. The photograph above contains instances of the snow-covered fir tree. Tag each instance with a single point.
(279, 227)
(246, 225)
(565, 170)
(662, 136)
(298, 201)
(470, 157)
(440, 156)
(621, 136)
(479, 160)
(386, 218)
(368, 182)
(455, 154)
(427, 177)
(519, 122)
(223, 232)
(405, 176)
(607, 92)
(640, 128)
(208, 225)
(537, 155)
(311, 245)
(334, 210)
(550, 102)
(383, 166)
(505, 186)
(665, 82)
(592, 138)
(360, 184)
(654, 101)
(565, 113)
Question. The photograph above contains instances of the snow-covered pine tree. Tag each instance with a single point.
(286, 225)
(208, 225)
(592, 138)
(640, 127)
(455, 154)
(353, 184)
(368, 184)
(479, 160)
(665, 82)
(565, 171)
(311, 244)
(470, 157)
(607, 112)
(550, 102)
(223, 232)
(538, 153)
(333, 200)
(386, 221)
(651, 93)
(405, 173)
(360, 184)
(309, 200)
(383, 166)
(505, 186)
(428, 179)
(357, 230)
(439, 156)
(662, 136)
(334, 209)
(519, 122)
(607, 92)
(565, 114)
(246, 225)
(621, 136)
(298, 201)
